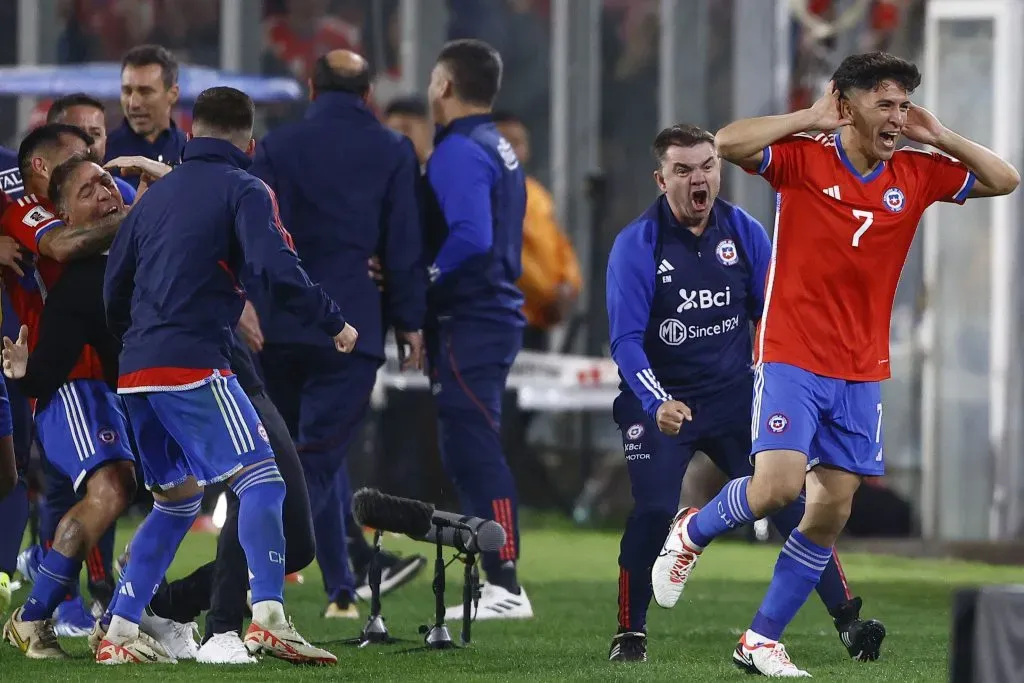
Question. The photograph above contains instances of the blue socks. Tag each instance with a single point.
(260, 494)
(152, 551)
(797, 572)
(726, 511)
(57, 574)
(832, 588)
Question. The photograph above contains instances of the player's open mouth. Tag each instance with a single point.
(699, 199)
(889, 138)
(111, 211)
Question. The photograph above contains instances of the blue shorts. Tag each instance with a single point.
(82, 428)
(834, 422)
(6, 420)
(209, 432)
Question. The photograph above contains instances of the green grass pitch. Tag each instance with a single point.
(571, 577)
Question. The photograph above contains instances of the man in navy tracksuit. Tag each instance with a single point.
(347, 189)
(149, 91)
(475, 213)
(172, 293)
(685, 281)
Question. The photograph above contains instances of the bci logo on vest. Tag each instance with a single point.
(703, 298)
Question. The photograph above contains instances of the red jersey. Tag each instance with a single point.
(27, 220)
(840, 243)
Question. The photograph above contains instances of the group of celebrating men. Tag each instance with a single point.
(158, 293)
(164, 286)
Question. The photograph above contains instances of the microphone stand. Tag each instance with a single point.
(470, 595)
(374, 631)
(438, 637)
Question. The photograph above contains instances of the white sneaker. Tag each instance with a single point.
(180, 640)
(767, 658)
(675, 561)
(496, 603)
(224, 648)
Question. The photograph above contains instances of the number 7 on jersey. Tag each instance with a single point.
(867, 218)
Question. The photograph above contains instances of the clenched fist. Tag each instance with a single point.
(671, 415)
(345, 340)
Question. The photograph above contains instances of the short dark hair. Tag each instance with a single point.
(867, 71)
(59, 179)
(46, 136)
(225, 110)
(326, 79)
(407, 106)
(502, 116)
(144, 55)
(78, 99)
(680, 135)
(475, 68)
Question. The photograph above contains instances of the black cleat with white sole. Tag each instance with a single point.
(862, 639)
(630, 646)
(395, 572)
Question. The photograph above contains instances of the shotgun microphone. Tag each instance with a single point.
(421, 522)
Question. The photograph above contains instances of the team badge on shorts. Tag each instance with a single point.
(635, 432)
(107, 436)
(778, 423)
(894, 199)
(262, 431)
(726, 253)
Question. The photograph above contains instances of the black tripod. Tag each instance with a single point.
(375, 631)
(437, 636)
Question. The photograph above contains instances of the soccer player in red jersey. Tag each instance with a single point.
(849, 204)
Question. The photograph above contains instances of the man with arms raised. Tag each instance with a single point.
(849, 205)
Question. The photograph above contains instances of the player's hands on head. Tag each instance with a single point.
(345, 340)
(671, 415)
(922, 126)
(13, 255)
(15, 355)
(411, 349)
(249, 328)
(827, 113)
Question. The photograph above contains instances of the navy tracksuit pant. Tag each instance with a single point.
(469, 364)
(323, 396)
(656, 464)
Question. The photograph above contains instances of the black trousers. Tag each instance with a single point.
(220, 586)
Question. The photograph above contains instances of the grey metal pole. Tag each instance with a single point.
(29, 14)
(560, 100)
(231, 26)
(409, 50)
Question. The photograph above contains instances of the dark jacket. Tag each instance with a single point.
(680, 306)
(475, 210)
(173, 283)
(347, 189)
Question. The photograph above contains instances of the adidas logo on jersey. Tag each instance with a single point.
(665, 267)
(833, 192)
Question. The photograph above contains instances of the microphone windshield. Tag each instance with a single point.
(490, 537)
(377, 510)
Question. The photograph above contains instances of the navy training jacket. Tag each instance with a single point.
(474, 215)
(172, 288)
(680, 306)
(348, 188)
